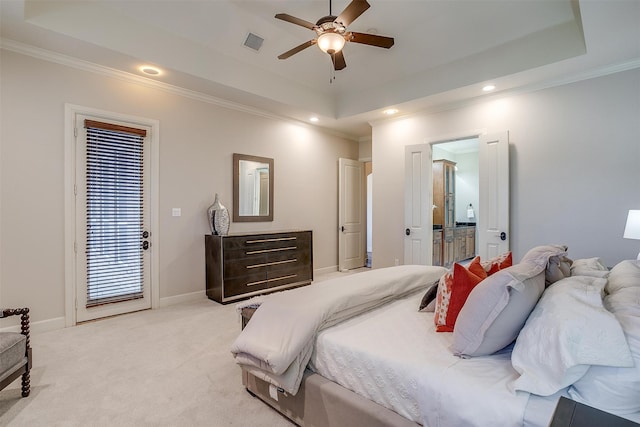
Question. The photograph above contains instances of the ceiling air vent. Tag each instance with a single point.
(253, 42)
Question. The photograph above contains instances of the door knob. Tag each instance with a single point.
(145, 234)
(407, 231)
(145, 245)
(342, 228)
(503, 236)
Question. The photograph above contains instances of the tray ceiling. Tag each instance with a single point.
(444, 51)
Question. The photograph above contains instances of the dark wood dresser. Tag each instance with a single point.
(244, 265)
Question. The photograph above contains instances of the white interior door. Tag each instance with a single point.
(112, 238)
(418, 198)
(351, 215)
(493, 209)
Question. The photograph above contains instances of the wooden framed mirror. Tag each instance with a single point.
(252, 188)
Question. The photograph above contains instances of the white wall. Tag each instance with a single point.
(197, 140)
(574, 157)
(467, 185)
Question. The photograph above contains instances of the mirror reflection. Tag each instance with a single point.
(253, 188)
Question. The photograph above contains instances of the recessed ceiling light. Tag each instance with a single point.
(390, 111)
(313, 119)
(152, 71)
(488, 88)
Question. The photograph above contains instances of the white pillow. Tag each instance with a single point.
(589, 267)
(610, 389)
(625, 274)
(568, 331)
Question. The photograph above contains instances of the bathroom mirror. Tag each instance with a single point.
(252, 188)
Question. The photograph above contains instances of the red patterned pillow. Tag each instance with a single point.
(498, 263)
(453, 290)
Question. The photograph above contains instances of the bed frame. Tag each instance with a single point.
(321, 402)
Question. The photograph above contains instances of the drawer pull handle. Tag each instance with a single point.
(272, 263)
(262, 251)
(260, 282)
(280, 239)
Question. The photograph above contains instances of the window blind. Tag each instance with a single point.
(114, 209)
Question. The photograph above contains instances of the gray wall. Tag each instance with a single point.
(574, 156)
(197, 140)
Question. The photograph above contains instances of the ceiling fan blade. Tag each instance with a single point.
(297, 49)
(338, 61)
(352, 11)
(370, 39)
(294, 20)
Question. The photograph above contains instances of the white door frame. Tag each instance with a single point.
(70, 125)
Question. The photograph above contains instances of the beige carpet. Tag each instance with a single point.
(166, 367)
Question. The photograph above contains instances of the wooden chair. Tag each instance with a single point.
(15, 352)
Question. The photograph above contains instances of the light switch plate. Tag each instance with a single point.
(176, 212)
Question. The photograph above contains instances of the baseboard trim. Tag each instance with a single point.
(39, 326)
(179, 299)
(325, 270)
(59, 322)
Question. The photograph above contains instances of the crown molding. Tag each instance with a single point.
(69, 61)
(549, 84)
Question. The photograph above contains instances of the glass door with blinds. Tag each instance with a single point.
(113, 243)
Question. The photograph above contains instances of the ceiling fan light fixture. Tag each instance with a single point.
(330, 42)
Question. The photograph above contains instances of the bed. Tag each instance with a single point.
(357, 351)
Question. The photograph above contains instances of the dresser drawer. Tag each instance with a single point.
(255, 244)
(235, 267)
(284, 277)
(245, 284)
(271, 278)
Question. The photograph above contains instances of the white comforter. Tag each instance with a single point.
(277, 344)
(394, 357)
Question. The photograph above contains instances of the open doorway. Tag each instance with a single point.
(491, 215)
(456, 193)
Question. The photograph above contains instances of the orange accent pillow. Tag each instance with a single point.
(475, 266)
(498, 263)
(453, 290)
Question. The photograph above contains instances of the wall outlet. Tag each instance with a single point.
(397, 261)
(176, 212)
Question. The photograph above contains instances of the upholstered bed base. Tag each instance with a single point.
(321, 402)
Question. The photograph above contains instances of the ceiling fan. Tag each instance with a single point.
(332, 33)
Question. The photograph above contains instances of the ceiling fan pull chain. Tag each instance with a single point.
(332, 70)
